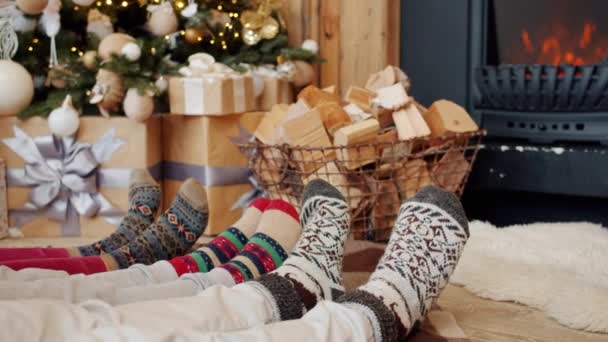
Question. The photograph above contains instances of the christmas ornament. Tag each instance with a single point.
(51, 24)
(89, 59)
(113, 43)
(18, 19)
(218, 18)
(311, 45)
(16, 88)
(195, 35)
(85, 3)
(64, 121)
(260, 24)
(9, 42)
(32, 7)
(56, 77)
(304, 74)
(190, 10)
(99, 24)
(161, 84)
(163, 20)
(108, 92)
(288, 69)
(138, 107)
(131, 51)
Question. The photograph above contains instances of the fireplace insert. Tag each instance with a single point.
(535, 75)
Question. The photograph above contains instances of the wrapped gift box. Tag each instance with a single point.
(87, 193)
(3, 207)
(276, 90)
(204, 148)
(207, 95)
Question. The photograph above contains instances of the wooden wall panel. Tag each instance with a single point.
(356, 37)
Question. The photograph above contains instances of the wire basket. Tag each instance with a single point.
(374, 178)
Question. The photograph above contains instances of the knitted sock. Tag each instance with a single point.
(226, 246)
(313, 271)
(144, 201)
(173, 234)
(423, 251)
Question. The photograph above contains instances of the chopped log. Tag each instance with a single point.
(357, 134)
(266, 131)
(446, 117)
(393, 97)
(334, 116)
(361, 97)
(410, 123)
(315, 96)
(412, 177)
(451, 170)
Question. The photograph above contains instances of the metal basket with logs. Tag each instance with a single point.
(375, 178)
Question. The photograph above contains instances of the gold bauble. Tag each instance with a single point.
(270, 28)
(252, 20)
(194, 35)
(89, 59)
(163, 21)
(251, 37)
(113, 43)
(16, 88)
(304, 74)
(32, 7)
(108, 92)
(138, 107)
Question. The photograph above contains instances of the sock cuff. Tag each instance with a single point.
(261, 203)
(279, 204)
(387, 321)
(184, 265)
(287, 300)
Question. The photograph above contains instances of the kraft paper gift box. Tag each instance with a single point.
(87, 193)
(3, 208)
(204, 148)
(211, 95)
(277, 90)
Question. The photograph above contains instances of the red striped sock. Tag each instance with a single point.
(74, 265)
(7, 254)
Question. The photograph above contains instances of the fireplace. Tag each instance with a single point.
(535, 75)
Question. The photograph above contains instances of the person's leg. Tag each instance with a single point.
(144, 201)
(173, 234)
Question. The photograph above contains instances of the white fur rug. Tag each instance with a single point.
(561, 269)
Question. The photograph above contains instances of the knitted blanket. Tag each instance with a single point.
(359, 262)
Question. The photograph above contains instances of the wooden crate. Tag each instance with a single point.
(357, 37)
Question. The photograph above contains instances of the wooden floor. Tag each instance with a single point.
(481, 319)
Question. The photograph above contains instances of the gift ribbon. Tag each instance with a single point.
(64, 175)
(198, 98)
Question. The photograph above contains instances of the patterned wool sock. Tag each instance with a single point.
(424, 248)
(226, 246)
(313, 271)
(173, 234)
(144, 201)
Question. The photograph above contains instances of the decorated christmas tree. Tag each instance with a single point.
(100, 52)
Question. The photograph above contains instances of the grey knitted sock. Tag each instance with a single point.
(423, 251)
(313, 271)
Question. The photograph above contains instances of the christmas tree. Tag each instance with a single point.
(78, 47)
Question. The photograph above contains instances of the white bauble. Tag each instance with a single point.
(138, 107)
(16, 88)
(32, 7)
(99, 24)
(304, 74)
(161, 84)
(163, 20)
(85, 3)
(64, 121)
(22, 23)
(311, 45)
(258, 85)
(113, 44)
(132, 51)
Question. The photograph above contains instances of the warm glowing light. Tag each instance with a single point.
(99, 3)
(212, 41)
(124, 4)
(73, 49)
(80, 53)
(35, 40)
(30, 49)
(220, 7)
(108, 2)
(180, 4)
(236, 34)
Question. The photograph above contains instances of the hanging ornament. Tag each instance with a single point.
(163, 20)
(190, 10)
(16, 88)
(260, 24)
(64, 121)
(51, 24)
(56, 76)
(304, 74)
(84, 3)
(195, 35)
(131, 51)
(89, 59)
(138, 107)
(161, 84)
(99, 24)
(113, 44)
(108, 92)
(32, 7)
(311, 45)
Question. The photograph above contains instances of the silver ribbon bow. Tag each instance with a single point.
(65, 175)
(247, 198)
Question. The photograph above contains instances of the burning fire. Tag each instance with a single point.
(563, 47)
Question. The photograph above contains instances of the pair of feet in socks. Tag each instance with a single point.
(424, 248)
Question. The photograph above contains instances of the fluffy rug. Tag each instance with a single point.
(561, 269)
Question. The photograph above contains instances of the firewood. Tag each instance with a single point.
(266, 131)
(297, 109)
(387, 77)
(333, 116)
(334, 176)
(412, 177)
(451, 170)
(393, 97)
(361, 97)
(446, 117)
(356, 113)
(410, 123)
(356, 134)
(385, 210)
(383, 115)
(315, 96)
(331, 89)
